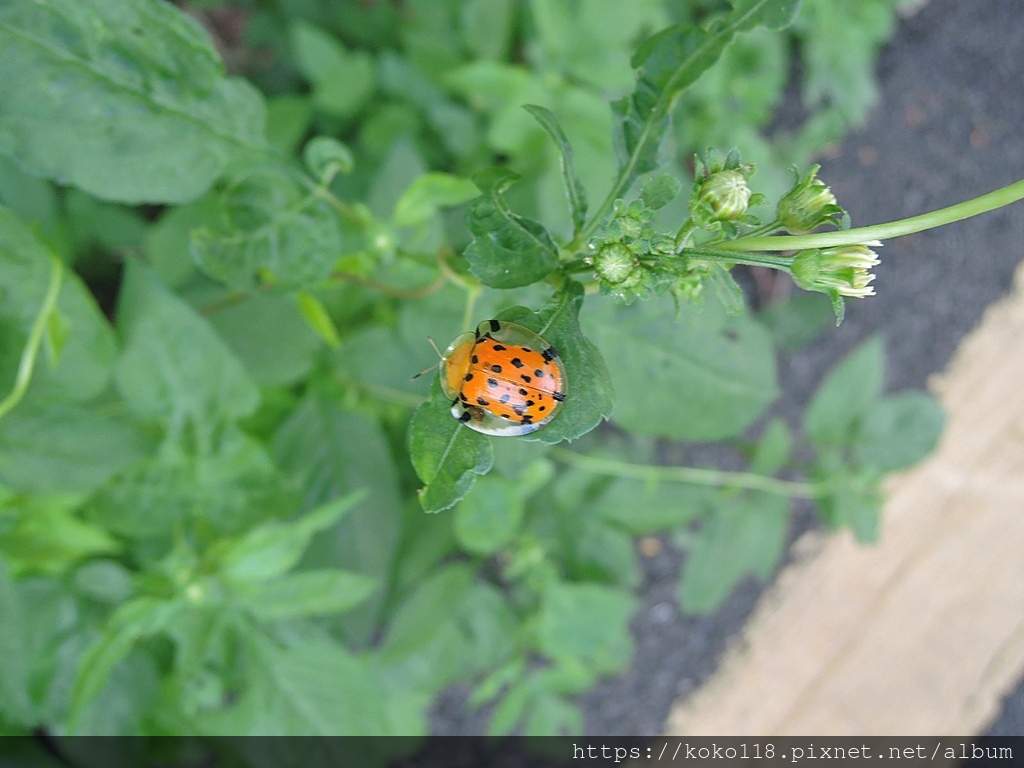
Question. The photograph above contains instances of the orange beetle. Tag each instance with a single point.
(503, 379)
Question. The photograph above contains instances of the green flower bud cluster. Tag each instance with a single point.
(721, 192)
(808, 205)
(629, 258)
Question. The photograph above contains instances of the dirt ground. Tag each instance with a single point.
(948, 126)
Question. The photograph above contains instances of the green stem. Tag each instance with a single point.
(694, 475)
(685, 233)
(733, 257)
(766, 229)
(35, 339)
(965, 210)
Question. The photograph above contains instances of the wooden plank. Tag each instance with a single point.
(924, 632)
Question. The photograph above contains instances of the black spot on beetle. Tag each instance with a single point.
(529, 403)
(468, 377)
(549, 354)
(539, 373)
(542, 408)
(500, 347)
(527, 418)
(517, 362)
(526, 378)
(524, 392)
(492, 382)
(505, 398)
(526, 349)
(496, 368)
(475, 359)
(559, 396)
(482, 401)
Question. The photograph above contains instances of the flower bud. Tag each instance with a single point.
(616, 264)
(808, 205)
(726, 193)
(843, 270)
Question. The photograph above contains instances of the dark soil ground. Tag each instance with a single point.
(949, 126)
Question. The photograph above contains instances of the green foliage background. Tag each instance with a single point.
(213, 489)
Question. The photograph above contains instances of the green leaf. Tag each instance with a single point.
(846, 395)
(331, 452)
(551, 715)
(589, 387)
(313, 688)
(586, 624)
(659, 190)
(742, 536)
(899, 431)
(271, 338)
(308, 593)
(489, 516)
(87, 351)
(446, 455)
(649, 507)
(15, 667)
(49, 538)
(61, 447)
(272, 549)
(513, 706)
(120, 708)
(422, 613)
(318, 318)
(704, 375)
(773, 449)
(487, 27)
(342, 80)
(227, 489)
(270, 230)
(668, 64)
(326, 157)
(508, 251)
(427, 194)
(797, 321)
(104, 580)
(574, 191)
(855, 502)
(447, 628)
(288, 118)
(36, 202)
(174, 366)
(126, 99)
(138, 618)
(169, 239)
(603, 554)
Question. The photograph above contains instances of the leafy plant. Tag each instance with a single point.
(212, 507)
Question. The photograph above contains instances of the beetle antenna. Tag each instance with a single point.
(429, 368)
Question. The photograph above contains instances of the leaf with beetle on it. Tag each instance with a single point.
(447, 456)
(508, 250)
(590, 395)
